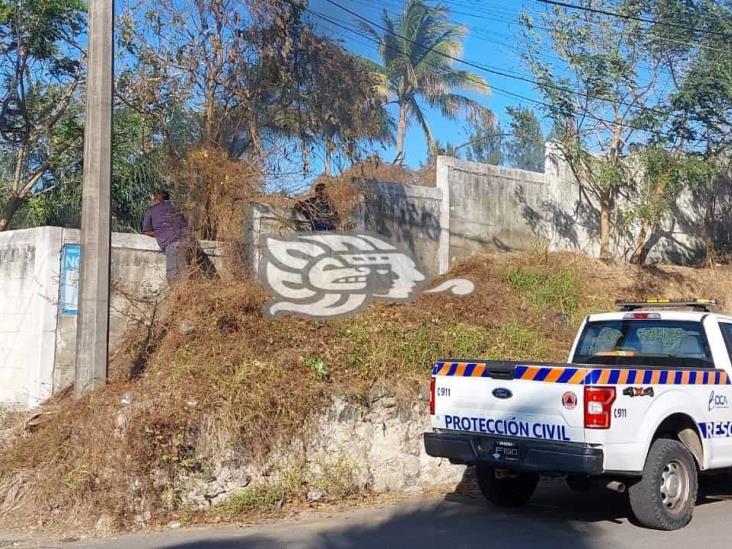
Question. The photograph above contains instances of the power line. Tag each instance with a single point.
(634, 18)
(508, 17)
(504, 91)
(481, 32)
(500, 73)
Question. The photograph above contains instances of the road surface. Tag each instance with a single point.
(556, 517)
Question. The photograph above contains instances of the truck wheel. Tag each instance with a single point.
(506, 491)
(664, 498)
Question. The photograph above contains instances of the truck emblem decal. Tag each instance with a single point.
(717, 401)
(569, 400)
(502, 392)
(330, 275)
(638, 391)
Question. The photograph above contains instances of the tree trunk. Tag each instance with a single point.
(328, 160)
(256, 140)
(401, 131)
(11, 207)
(15, 200)
(640, 250)
(605, 211)
(710, 252)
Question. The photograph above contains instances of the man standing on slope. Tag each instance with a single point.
(166, 223)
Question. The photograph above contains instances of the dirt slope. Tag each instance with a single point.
(217, 377)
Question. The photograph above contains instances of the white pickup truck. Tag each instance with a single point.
(644, 404)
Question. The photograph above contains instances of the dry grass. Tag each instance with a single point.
(214, 192)
(217, 377)
(376, 169)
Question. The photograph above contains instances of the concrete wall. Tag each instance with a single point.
(409, 215)
(37, 341)
(493, 207)
(29, 273)
(137, 278)
(474, 208)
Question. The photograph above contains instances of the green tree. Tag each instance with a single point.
(337, 101)
(525, 149)
(486, 141)
(606, 92)
(250, 74)
(697, 41)
(39, 118)
(446, 149)
(138, 168)
(662, 176)
(416, 50)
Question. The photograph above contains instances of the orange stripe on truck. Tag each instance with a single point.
(554, 375)
(578, 377)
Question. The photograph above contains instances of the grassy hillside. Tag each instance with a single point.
(217, 377)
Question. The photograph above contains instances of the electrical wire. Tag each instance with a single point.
(514, 94)
(498, 72)
(634, 18)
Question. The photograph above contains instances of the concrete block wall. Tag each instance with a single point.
(37, 342)
(409, 215)
(491, 207)
(29, 274)
(474, 208)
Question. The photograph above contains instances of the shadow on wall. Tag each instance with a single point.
(394, 211)
(554, 222)
(681, 236)
(724, 214)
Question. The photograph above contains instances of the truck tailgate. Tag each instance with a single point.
(512, 399)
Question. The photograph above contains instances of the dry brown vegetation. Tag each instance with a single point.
(219, 377)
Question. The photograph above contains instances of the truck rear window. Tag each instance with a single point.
(662, 343)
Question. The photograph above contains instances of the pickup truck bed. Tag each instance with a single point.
(523, 441)
(645, 402)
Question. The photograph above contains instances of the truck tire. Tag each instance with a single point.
(664, 498)
(512, 491)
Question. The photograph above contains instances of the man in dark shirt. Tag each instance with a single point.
(319, 210)
(166, 223)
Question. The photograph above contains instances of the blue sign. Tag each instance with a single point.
(70, 258)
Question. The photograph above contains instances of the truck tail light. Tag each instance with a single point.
(432, 396)
(598, 407)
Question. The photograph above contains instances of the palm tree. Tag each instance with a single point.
(417, 50)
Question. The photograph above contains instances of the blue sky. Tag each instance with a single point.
(493, 40)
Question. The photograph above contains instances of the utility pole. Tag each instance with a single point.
(92, 332)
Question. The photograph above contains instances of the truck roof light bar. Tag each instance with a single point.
(703, 305)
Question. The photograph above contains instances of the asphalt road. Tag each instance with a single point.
(556, 517)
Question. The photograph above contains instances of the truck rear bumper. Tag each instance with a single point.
(516, 453)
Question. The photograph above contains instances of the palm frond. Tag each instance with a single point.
(453, 104)
(416, 111)
(417, 47)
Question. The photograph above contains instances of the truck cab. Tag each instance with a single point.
(643, 404)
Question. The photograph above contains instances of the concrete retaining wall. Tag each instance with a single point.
(476, 207)
(409, 215)
(29, 273)
(37, 341)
